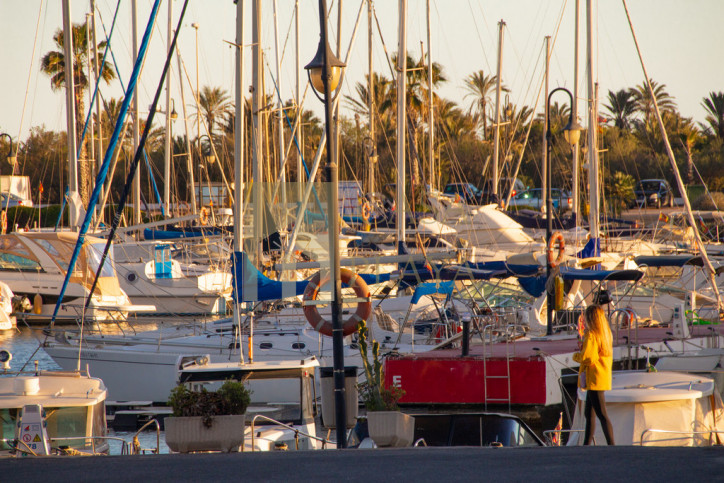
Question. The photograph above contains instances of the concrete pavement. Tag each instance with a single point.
(406, 464)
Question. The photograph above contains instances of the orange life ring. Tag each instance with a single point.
(204, 216)
(4, 221)
(350, 279)
(556, 237)
(366, 211)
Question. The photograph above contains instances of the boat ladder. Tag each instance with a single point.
(501, 376)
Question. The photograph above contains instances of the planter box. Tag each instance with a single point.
(189, 434)
(391, 428)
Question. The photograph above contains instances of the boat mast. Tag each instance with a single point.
(431, 117)
(592, 143)
(168, 140)
(70, 109)
(96, 71)
(256, 144)
(136, 119)
(189, 156)
(239, 154)
(544, 178)
(496, 143)
(401, 118)
(574, 109)
(300, 139)
(372, 154)
(280, 116)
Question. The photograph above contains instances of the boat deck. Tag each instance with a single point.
(524, 372)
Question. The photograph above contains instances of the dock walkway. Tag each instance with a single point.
(621, 463)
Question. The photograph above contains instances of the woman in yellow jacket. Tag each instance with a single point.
(596, 358)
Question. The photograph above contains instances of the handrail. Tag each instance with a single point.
(297, 432)
(671, 431)
(137, 445)
(420, 441)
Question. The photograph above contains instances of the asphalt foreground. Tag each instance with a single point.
(621, 463)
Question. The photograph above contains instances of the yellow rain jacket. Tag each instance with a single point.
(597, 367)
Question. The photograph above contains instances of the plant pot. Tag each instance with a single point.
(188, 434)
(391, 428)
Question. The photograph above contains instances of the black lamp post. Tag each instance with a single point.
(12, 156)
(572, 132)
(324, 72)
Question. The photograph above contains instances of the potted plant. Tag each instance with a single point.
(387, 425)
(207, 420)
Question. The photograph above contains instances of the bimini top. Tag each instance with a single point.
(203, 371)
(613, 275)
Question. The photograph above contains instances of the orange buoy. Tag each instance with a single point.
(350, 279)
(556, 237)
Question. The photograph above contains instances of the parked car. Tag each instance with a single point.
(654, 192)
(533, 199)
(467, 192)
(14, 201)
(504, 185)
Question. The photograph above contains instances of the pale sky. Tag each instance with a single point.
(681, 43)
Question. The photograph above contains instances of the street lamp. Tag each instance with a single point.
(12, 155)
(572, 133)
(324, 72)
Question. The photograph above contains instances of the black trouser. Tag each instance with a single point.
(596, 402)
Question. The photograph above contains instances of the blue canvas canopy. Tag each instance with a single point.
(600, 275)
(255, 286)
(430, 288)
(669, 260)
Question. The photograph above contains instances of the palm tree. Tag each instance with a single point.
(620, 191)
(480, 87)
(621, 105)
(644, 102)
(53, 64)
(714, 105)
(215, 106)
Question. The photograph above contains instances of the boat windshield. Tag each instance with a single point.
(94, 253)
(279, 399)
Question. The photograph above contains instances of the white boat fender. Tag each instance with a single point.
(33, 435)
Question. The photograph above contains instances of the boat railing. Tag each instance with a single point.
(420, 442)
(297, 432)
(648, 431)
(626, 318)
(549, 434)
(136, 446)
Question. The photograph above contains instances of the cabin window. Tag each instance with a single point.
(18, 262)
(68, 422)
(265, 345)
(53, 252)
(8, 418)
(94, 253)
(298, 345)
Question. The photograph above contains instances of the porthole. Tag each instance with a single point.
(298, 345)
(132, 277)
(265, 345)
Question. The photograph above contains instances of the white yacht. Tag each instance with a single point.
(34, 266)
(658, 409)
(48, 412)
(150, 274)
(281, 392)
